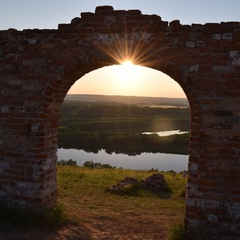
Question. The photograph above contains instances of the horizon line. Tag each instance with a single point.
(118, 95)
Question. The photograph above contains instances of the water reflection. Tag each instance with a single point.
(165, 133)
(144, 161)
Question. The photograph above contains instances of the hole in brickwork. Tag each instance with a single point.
(126, 100)
(101, 123)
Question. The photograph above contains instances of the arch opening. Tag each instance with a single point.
(128, 79)
(88, 102)
(143, 82)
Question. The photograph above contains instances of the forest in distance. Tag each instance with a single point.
(116, 124)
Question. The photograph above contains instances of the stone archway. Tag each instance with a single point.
(39, 66)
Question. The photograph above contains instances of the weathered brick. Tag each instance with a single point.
(37, 67)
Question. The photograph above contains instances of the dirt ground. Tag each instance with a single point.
(97, 228)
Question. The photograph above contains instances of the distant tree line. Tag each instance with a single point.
(98, 165)
(69, 162)
(131, 144)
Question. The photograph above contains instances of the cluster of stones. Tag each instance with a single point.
(128, 181)
(155, 182)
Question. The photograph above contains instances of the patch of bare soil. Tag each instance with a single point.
(131, 227)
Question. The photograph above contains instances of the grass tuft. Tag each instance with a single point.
(54, 218)
(178, 232)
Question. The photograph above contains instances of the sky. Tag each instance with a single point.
(47, 14)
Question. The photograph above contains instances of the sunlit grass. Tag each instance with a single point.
(84, 192)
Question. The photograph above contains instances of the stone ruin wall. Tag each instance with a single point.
(37, 68)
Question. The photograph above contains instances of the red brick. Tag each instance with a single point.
(37, 67)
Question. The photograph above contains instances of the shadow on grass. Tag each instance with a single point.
(164, 193)
(133, 190)
(15, 219)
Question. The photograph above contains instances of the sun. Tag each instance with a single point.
(128, 70)
(125, 77)
(127, 63)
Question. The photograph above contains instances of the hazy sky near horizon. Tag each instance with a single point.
(47, 14)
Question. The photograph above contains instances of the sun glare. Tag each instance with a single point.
(128, 69)
(126, 76)
(127, 63)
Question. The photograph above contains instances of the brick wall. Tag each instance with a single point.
(37, 68)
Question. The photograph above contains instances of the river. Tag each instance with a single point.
(144, 161)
